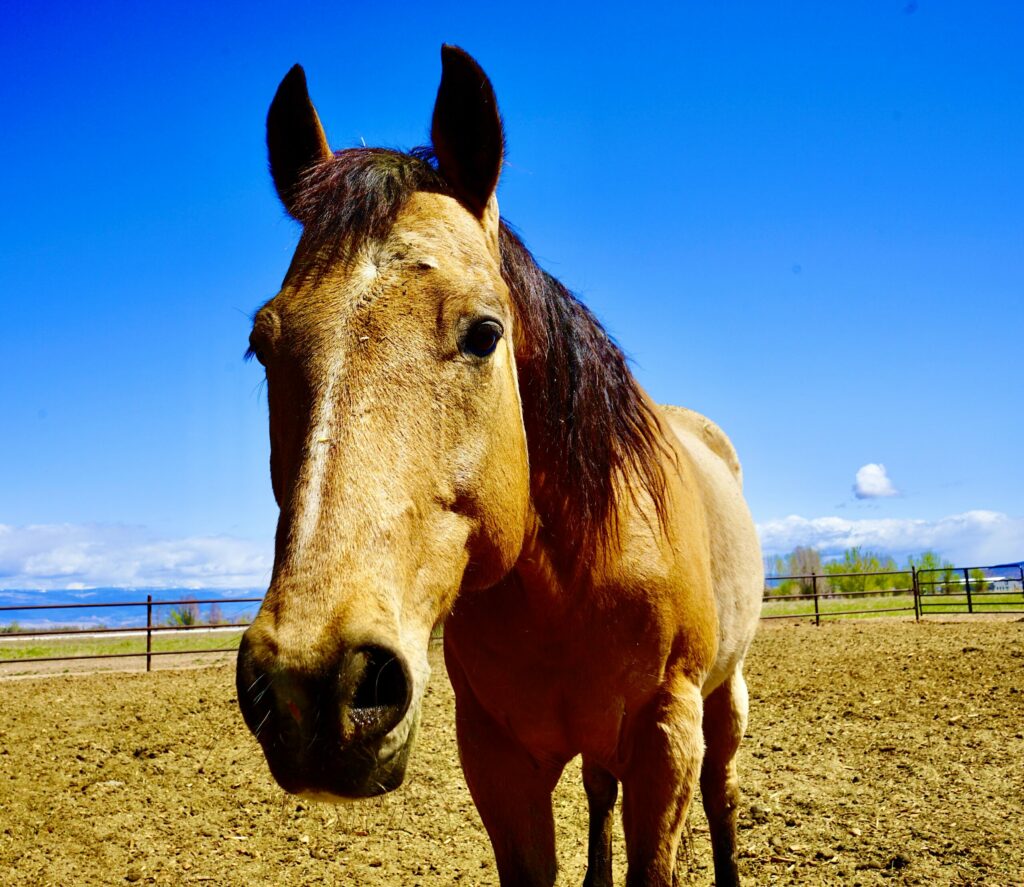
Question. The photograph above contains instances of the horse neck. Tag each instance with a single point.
(552, 575)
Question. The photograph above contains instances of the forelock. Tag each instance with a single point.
(355, 197)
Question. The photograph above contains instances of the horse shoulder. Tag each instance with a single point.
(684, 421)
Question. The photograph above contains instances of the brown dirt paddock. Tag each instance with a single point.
(879, 752)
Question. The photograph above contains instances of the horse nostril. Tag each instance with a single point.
(382, 694)
(252, 685)
(359, 699)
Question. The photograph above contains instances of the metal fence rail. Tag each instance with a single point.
(148, 630)
(972, 593)
(927, 593)
(820, 590)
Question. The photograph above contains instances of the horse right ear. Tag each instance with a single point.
(295, 138)
(466, 130)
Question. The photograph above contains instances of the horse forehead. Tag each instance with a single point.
(433, 241)
(436, 231)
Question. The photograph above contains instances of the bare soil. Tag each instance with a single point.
(879, 752)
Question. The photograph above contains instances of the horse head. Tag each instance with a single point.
(398, 449)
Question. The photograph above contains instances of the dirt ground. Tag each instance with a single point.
(878, 752)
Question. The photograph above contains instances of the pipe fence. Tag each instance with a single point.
(938, 591)
(61, 635)
(941, 591)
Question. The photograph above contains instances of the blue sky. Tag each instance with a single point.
(805, 220)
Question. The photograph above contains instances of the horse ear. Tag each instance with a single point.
(295, 138)
(466, 130)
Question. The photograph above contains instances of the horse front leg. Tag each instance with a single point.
(602, 789)
(665, 752)
(725, 720)
(511, 790)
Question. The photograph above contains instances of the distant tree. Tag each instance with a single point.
(858, 560)
(185, 614)
(214, 615)
(801, 561)
(927, 560)
(938, 573)
(775, 565)
(979, 584)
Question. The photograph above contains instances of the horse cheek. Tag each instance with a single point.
(503, 507)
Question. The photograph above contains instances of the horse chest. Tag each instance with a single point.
(562, 683)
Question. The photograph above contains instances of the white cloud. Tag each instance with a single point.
(974, 538)
(873, 482)
(89, 555)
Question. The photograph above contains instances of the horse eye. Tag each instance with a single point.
(258, 353)
(482, 338)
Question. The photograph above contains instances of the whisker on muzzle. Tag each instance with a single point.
(262, 723)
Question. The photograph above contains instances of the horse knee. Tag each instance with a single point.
(725, 718)
(601, 787)
(667, 750)
(719, 788)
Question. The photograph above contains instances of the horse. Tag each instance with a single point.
(455, 439)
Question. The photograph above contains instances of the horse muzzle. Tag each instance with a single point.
(343, 730)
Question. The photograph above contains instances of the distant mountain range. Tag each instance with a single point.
(1014, 566)
(121, 607)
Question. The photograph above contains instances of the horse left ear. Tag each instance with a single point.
(295, 138)
(466, 130)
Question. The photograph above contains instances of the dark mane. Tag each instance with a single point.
(590, 430)
(588, 424)
(355, 196)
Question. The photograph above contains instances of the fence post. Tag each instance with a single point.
(967, 585)
(814, 588)
(917, 594)
(149, 632)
